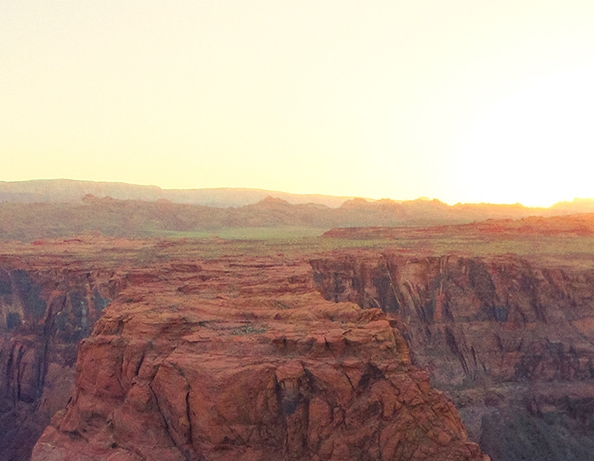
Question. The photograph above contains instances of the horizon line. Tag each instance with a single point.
(305, 194)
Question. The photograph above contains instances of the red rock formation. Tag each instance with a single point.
(45, 310)
(530, 226)
(241, 359)
(510, 341)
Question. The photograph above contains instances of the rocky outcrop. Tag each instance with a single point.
(243, 359)
(494, 229)
(510, 341)
(44, 312)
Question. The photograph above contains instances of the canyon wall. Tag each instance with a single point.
(243, 359)
(196, 359)
(45, 310)
(510, 341)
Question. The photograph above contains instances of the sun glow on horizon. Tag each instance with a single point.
(536, 146)
(464, 101)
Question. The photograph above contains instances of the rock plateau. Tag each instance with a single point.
(240, 358)
(510, 340)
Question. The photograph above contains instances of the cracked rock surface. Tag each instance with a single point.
(509, 339)
(240, 358)
(45, 309)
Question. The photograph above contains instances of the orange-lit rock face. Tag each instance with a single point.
(237, 359)
(45, 309)
(502, 316)
(510, 341)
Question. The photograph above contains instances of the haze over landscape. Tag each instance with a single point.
(461, 101)
(296, 231)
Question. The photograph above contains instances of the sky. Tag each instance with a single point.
(460, 100)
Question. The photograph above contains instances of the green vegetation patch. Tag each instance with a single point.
(249, 330)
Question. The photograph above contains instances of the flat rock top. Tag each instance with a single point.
(241, 357)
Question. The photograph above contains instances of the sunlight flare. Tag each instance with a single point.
(536, 146)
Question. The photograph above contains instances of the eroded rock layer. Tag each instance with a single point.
(235, 359)
(45, 310)
(511, 341)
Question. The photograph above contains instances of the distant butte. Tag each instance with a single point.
(105, 215)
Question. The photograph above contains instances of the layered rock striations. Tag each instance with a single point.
(511, 341)
(237, 359)
(241, 356)
(45, 310)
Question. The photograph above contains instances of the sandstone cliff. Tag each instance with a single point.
(511, 341)
(45, 310)
(241, 357)
(237, 359)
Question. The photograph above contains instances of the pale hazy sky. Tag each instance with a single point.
(462, 100)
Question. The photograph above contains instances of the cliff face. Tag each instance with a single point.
(44, 311)
(237, 359)
(242, 357)
(511, 342)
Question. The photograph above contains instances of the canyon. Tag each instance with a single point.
(510, 341)
(209, 349)
(207, 359)
(48, 303)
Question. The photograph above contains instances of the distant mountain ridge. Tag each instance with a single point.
(138, 218)
(72, 191)
(55, 209)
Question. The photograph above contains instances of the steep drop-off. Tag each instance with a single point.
(46, 308)
(243, 359)
(511, 341)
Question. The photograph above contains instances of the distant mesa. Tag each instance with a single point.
(534, 226)
(90, 198)
(72, 191)
(357, 201)
(269, 200)
(34, 210)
